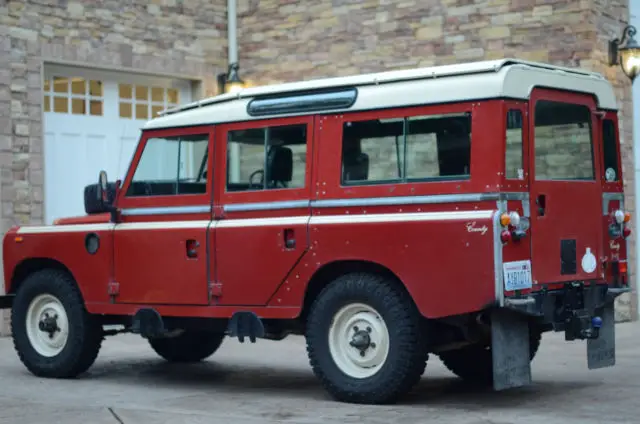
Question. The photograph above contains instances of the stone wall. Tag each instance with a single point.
(168, 37)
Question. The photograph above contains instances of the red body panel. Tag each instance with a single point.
(92, 272)
(447, 268)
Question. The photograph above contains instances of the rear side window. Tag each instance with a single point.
(563, 142)
(417, 148)
(513, 157)
(609, 140)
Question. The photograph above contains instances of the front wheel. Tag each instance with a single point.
(364, 340)
(189, 346)
(53, 333)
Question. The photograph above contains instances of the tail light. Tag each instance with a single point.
(622, 267)
(619, 226)
(515, 227)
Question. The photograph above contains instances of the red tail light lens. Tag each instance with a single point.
(626, 232)
(505, 236)
(622, 267)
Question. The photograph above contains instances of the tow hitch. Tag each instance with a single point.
(580, 324)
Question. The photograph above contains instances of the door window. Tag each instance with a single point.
(267, 158)
(171, 166)
(609, 140)
(563, 141)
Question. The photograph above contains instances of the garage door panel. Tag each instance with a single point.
(90, 124)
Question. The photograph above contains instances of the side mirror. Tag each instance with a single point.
(99, 198)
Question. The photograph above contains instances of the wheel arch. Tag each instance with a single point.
(332, 270)
(30, 265)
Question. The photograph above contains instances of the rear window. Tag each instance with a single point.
(563, 142)
(407, 149)
(609, 140)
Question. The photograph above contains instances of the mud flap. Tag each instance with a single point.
(601, 352)
(510, 350)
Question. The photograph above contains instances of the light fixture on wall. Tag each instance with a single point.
(626, 53)
(231, 81)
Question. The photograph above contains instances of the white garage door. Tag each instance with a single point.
(92, 121)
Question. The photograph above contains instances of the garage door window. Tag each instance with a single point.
(145, 102)
(74, 95)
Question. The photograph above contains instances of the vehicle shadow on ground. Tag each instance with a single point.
(301, 384)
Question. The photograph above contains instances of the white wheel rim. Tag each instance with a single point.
(46, 310)
(358, 322)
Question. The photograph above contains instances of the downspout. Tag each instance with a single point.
(232, 36)
(232, 31)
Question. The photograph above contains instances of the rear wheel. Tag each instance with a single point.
(475, 363)
(364, 340)
(53, 333)
(189, 346)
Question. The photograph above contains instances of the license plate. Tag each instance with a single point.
(517, 275)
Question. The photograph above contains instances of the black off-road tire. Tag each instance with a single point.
(475, 363)
(406, 359)
(85, 331)
(190, 346)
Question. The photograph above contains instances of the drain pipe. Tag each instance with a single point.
(232, 31)
(232, 37)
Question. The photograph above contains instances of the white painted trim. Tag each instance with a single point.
(74, 228)
(400, 217)
(164, 225)
(263, 222)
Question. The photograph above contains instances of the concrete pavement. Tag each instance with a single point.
(271, 382)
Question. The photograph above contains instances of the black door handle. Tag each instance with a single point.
(289, 238)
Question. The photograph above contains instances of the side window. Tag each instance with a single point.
(267, 158)
(417, 148)
(563, 142)
(610, 141)
(514, 153)
(172, 166)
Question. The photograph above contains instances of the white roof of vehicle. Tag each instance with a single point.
(505, 78)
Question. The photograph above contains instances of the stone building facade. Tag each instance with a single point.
(278, 40)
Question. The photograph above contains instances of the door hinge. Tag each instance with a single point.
(215, 289)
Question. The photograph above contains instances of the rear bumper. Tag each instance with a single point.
(6, 301)
(556, 308)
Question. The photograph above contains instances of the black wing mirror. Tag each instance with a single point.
(99, 198)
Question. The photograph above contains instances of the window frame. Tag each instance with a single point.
(565, 96)
(595, 145)
(618, 184)
(186, 199)
(406, 123)
(515, 183)
(269, 195)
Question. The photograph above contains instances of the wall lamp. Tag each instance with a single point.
(626, 53)
(231, 81)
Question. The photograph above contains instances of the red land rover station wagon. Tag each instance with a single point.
(459, 211)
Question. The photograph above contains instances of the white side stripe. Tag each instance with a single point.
(263, 222)
(164, 225)
(74, 228)
(400, 217)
